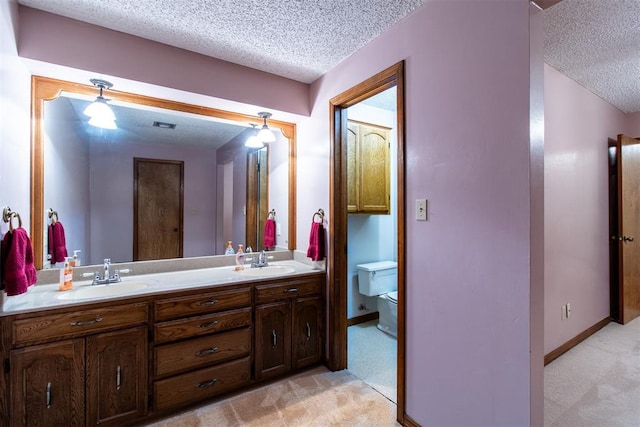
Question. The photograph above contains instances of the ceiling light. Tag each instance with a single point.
(254, 141)
(265, 134)
(101, 114)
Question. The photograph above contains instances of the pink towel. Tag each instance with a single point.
(269, 234)
(57, 243)
(18, 271)
(316, 242)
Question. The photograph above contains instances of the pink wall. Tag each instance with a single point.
(633, 125)
(59, 40)
(468, 152)
(577, 127)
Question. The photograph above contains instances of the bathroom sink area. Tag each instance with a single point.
(270, 270)
(102, 291)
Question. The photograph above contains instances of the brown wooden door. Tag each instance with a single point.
(307, 332)
(157, 209)
(273, 339)
(257, 198)
(628, 227)
(374, 166)
(47, 385)
(117, 368)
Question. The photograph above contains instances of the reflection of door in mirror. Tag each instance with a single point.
(157, 209)
(258, 206)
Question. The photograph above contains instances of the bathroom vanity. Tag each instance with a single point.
(185, 338)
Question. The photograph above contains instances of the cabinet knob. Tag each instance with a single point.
(627, 238)
(206, 303)
(98, 319)
(291, 290)
(208, 325)
(48, 393)
(275, 337)
(207, 351)
(207, 383)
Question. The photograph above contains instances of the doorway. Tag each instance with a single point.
(157, 209)
(338, 227)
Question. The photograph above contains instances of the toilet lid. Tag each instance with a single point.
(393, 296)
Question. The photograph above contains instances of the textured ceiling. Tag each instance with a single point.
(594, 42)
(597, 44)
(298, 39)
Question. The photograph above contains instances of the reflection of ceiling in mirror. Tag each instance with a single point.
(139, 122)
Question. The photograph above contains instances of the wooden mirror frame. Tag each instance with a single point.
(47, 89)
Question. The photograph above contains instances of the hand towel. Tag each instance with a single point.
(18, 270)
(269, 234)
(57, 243)
(316, 242)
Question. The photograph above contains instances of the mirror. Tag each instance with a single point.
(106, 215)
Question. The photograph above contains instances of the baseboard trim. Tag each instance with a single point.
(554, 354)
(410, 422)
(364, 318)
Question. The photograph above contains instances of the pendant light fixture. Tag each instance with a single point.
(254, 141)
(265, 134)
(101, 114)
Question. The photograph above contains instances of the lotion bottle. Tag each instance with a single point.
(229, 250)
(66, 276)
(240, 259)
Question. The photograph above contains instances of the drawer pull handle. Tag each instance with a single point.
(308, 331)
(209, 302)
(207, 383)
(275, 337)
(118, 377)
(208, 325)
(291, 290)
(207, 351)
(49, 395)
(88, 322)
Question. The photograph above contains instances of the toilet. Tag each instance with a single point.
(381, 279)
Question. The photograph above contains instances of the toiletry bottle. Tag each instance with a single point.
(66, 276)
(75, 262)
(229, 250)
(240, 259)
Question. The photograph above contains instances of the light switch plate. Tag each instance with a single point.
(421, 209)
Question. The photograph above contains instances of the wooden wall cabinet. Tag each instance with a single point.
(368, 168)
(93, 378)
(289, 319)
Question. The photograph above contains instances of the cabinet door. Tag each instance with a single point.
(47, 384)
(273, 339)
(307, 331)
(352, 167)
(117, 368)
(373, 159)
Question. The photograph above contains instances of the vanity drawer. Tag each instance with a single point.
(194, 326)
(172, 308)
(197, 352)
(78, 323)
(201, 384)
(279, 291)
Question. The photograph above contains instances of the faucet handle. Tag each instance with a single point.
(107, 260)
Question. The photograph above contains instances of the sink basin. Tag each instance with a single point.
(271, 270)
(101, 291)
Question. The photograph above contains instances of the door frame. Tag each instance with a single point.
(337, 262)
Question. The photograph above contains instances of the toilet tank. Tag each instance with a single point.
(377, 278)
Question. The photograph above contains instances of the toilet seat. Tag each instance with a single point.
(393, 296)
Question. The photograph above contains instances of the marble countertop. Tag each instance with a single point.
(42, 297)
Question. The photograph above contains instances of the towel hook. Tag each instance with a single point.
(319, 213)
(8, 215)
(272, 214)
(51, 214)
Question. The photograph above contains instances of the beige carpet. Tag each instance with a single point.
(597, 383)
(316, 397)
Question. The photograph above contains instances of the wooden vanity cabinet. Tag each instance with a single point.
(202, 346)
(289, 318)
(96, 376)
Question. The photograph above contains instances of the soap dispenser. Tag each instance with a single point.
(75, 262)
(66, 276)
(240, 259)
(229, 250)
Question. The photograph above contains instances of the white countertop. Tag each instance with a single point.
(40, 297)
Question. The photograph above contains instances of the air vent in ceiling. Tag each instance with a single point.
(163, 125)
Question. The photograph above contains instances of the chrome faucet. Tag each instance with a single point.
(262, 261)
(106, 278)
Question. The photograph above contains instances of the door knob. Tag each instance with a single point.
(627, 238)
